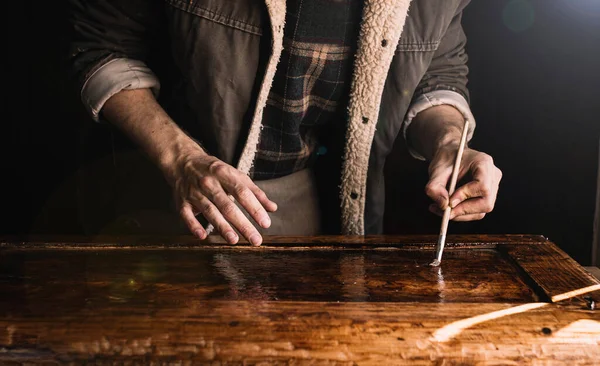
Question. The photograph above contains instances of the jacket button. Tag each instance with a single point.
(365, 120)
(354, 195)
(384, 43)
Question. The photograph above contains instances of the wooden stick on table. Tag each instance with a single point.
(445, 220)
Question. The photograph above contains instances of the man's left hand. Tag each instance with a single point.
(473, 200)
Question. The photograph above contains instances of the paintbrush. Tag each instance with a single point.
(439, 249)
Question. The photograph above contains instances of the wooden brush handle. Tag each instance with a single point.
(459, 154)
(451, 189)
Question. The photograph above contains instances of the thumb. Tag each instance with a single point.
(436, 187)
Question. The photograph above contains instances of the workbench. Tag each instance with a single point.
(496, 299)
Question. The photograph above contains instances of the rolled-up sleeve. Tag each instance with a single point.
(112, 77)
(445, 82)
(436, 98)
(110, 46)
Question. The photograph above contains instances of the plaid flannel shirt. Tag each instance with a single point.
(310, 85)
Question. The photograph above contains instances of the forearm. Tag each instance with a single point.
(435, 127)
(145, 122)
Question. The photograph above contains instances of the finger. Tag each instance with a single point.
(230, 178)
(234, 215)
(483, 184)
(250, 203)
(187, 214)
(435, 209)
(436, 187)
(214, 216)
(262, 197)
(473, 217)
(473, 206)
(472, 190)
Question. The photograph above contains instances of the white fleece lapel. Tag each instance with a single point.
(276, 10)
(382, 25)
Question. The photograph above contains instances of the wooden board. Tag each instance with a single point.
(321, 300)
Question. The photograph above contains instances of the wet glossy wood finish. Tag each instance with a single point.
(326, 300)
(552, 269)
(315, 275)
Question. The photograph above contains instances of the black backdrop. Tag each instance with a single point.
(535, 84)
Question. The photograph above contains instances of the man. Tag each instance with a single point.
(292, 103)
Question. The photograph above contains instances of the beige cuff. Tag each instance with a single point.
(111, 78)
(432, 99)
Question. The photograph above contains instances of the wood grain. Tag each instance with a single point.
(557, 274)
(37, 276)
(325, 300)
(250, 333)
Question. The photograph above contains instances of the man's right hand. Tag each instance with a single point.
(203, 184)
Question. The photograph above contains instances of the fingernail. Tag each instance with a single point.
(255, 240)
(454, 203)
(199, 234)
(266, 222)
(231, 237)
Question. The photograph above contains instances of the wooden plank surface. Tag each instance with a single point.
(236, 332)
(557, 274)
(309, 275)
(142, 301)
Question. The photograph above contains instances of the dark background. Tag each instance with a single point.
(535, 88)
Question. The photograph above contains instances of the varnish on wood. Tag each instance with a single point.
(391, 275)
(295, 299)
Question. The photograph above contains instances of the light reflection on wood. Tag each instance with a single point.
(451, 330)
(585, 331)
(298, 301)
